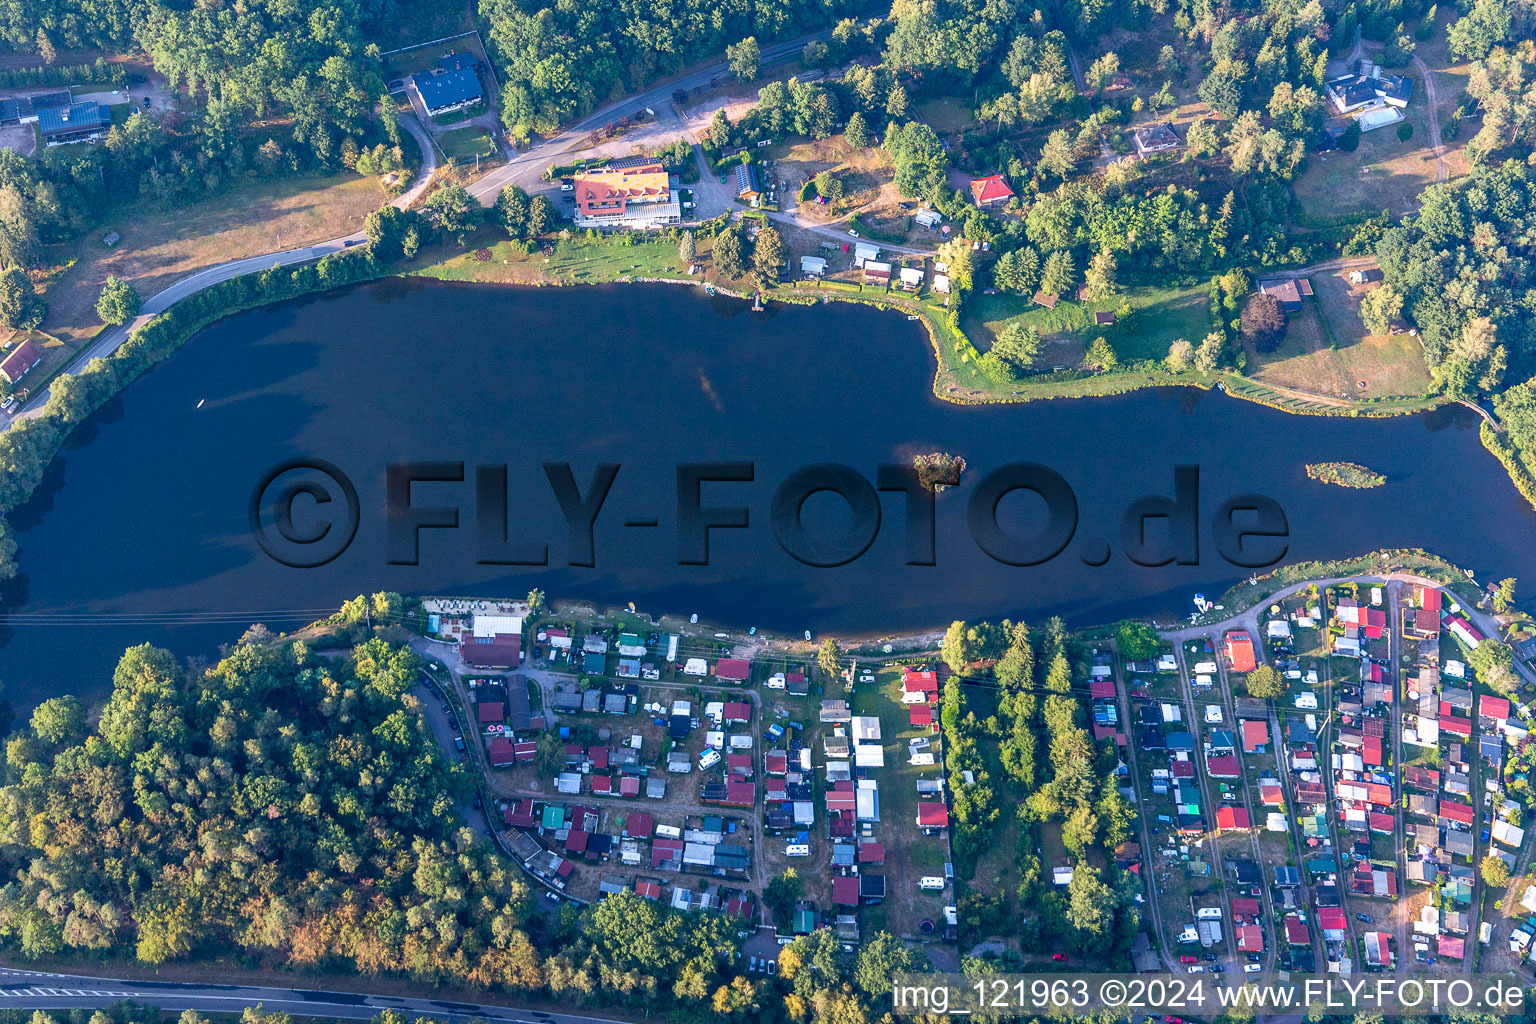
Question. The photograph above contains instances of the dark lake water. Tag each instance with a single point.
(142, 530)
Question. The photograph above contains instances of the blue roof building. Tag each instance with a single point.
(443, 92)
(78, 122)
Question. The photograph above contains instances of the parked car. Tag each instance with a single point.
(553, 897)
(1210, 958)
(1252, 968)
(853, 233)
(1058, 956)
(1218, 968)
(458, 742)
(1186, 959)
(773, 967)
(1366, 918)
(1197, 969)
(753, 965)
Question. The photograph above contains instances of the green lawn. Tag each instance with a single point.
(465, 144)
(1159, 316)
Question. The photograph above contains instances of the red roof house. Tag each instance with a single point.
(1223, 767)
(845, 891)
(932, 814)
(871, 853)
(1331, 919)
(1270, 794)
(775, 762)
(1245, 908)
(640, 825)
(1228, 818)
(1495, 708)
(492, 711)
(732, 670)
(990, 191)
(1296, 931)
(1450, 810)
(576, 841)
(1371, 751)
(1452, 946)
(1101, 688)
(629, 786)
(1240, 651)
(1250, 939)
(736, 711)
(1255, 736)
(1381, 821)
(921, 716)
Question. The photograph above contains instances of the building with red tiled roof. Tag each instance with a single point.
(639, 825)
(1101, 688)
(1381, 821)
(1245, 908)
(932, 814)
(498, 651)
(1450, 810)
(1493, 708)
(639, 196)
(1239, 649)
(736, 710)
(629, 785)
(500, 752)
(22, 358)
(1223, 767)
(1370, 751)
(1255, 736)
(1250, 939)
(1331, 919)
(991, 191)
(845, 891)
(647, 888)
(921, 716)
(1182, 769)
(841, 797)
(919, 687)
(871, 852)
(1452, 946)
(1230, 818)
(1296, 931)
(491, 711)
(775, 762)
(602, 785)
(576, 841)
(733, 670)
(1270, 794)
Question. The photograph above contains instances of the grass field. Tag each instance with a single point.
(1386, 172)
(1327, 350)
(465, 144)
(1159, 316)
(158, 247)
(574, 262)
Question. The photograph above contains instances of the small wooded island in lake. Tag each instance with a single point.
(1345, 474)
(938, 470)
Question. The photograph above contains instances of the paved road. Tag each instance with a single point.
(161, 301)
(35, 990)
(525, 169)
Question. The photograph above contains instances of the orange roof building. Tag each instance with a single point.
(629, 197)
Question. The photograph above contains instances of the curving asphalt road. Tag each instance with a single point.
(37, 990)
(525, 169)
(158, 303)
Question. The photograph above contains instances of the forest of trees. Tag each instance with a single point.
(560, 61)
(1464, 269)
(1034, 766)
(293, 806)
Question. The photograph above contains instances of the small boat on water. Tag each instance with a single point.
(200, 402)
